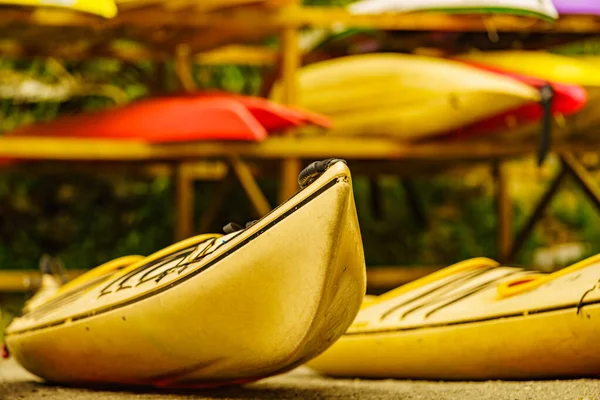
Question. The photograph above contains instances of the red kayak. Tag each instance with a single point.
(189, 117)
(193, 117)
(568, 99)
(275, 117)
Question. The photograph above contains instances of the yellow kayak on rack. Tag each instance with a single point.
(405, 96)
(103, 8)
(477, 320)
(213, 309)
(540, 64)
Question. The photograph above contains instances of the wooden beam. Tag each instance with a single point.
(215, 203)
(320, 147)
(291, 167)
(238, 55)
(257, 198)
(503, 212)
(393, 276)
(183, 68)
(47, 148)
(24, 281)
(274, 148)
(538, 212)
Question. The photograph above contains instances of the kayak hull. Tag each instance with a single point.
(532, 8)
(543, 65)
(404, 95)
(266, 300)
(548, 345)
(158, 120)
(568, 100)
(476, 320)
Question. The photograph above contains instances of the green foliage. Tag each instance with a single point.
(588, 46)
(86, 220)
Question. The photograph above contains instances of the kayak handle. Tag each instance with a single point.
(532, 281)
(314, 170)
(520, 285)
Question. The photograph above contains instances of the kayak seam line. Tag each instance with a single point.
(471, 321)
(458, 278)
(185, 278)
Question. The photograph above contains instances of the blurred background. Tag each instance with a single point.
(424, 201)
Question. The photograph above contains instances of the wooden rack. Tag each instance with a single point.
(215, 37)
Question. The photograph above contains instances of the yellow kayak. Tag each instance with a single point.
(553, 67)
(103, 8)
(404, 95)
(213, 309)
(591, 59)
(477, 320)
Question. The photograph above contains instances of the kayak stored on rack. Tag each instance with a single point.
(477, 320)
(539, 64)
(404, 95)
(213, 309)
(566, 99)
(190, 117)
(543, 9)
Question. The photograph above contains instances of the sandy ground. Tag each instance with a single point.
(15, 383)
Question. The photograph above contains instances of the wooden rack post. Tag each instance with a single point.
(290, 59)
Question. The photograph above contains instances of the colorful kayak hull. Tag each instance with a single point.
(403, 95)
(275, 117)
(540, 9)
(211, 310)
(476, 320)
(103, 8)
(204, 116)
(568, 100)
(158, 120)
(539, 64)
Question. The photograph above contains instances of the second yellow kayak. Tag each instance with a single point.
(477, 320)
